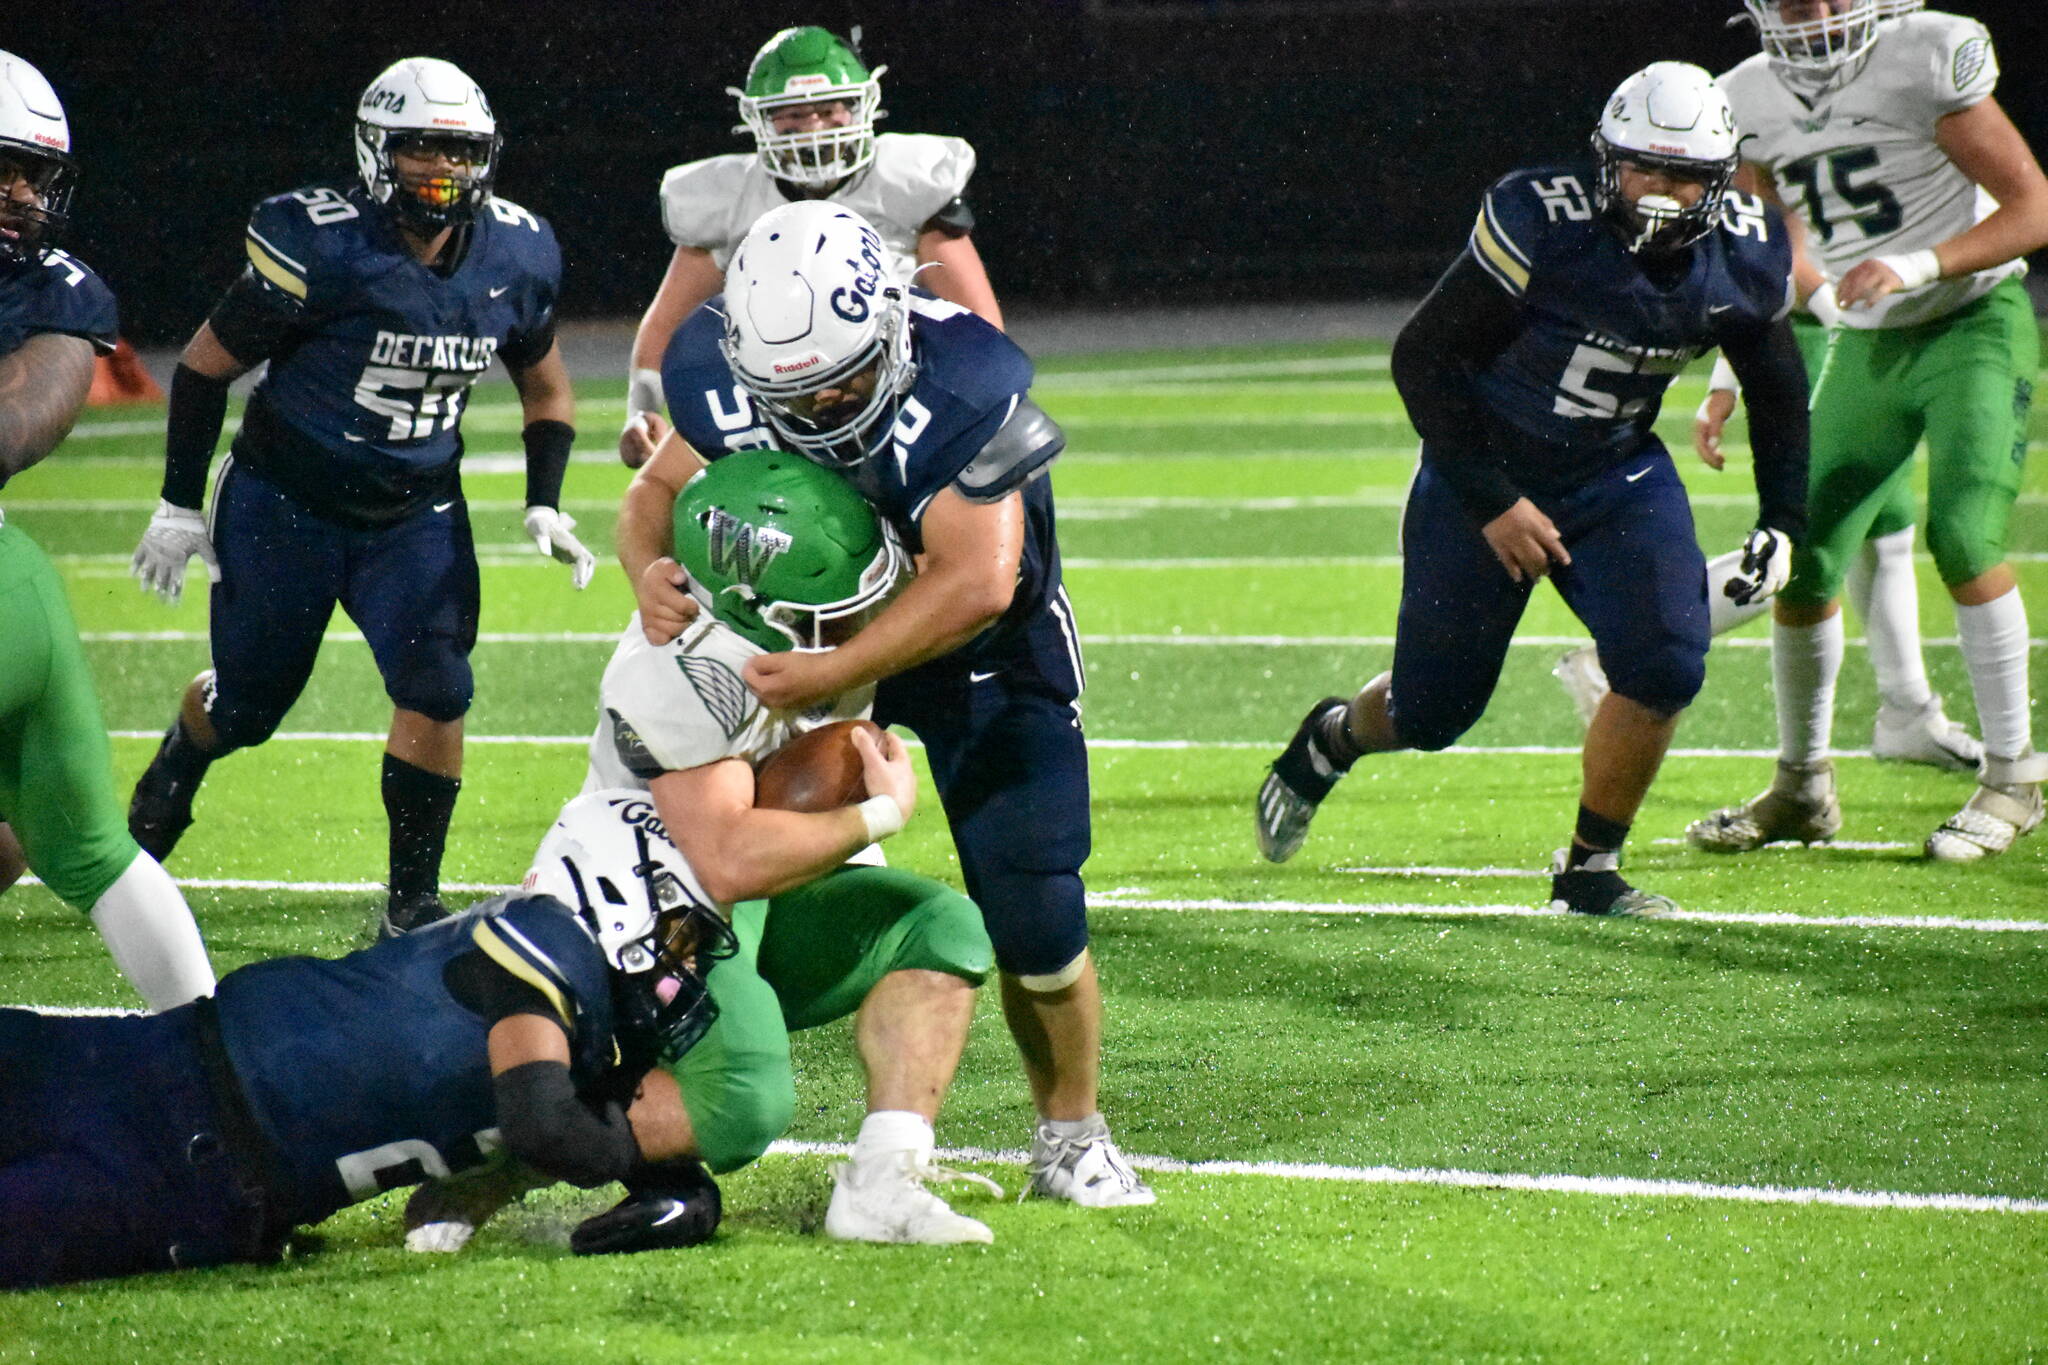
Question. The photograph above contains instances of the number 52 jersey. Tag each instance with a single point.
(371, 352)
(1604, 332)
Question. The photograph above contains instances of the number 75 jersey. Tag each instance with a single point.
(1603, 336)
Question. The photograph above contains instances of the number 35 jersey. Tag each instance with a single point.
(1860, 164)
(1605, 331)
(372, 353)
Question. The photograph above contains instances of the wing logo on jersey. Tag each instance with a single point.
(724, 696)
(1969, 62)
(741, 551)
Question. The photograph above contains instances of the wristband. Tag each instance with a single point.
(882, 816)
(1723, 378)
(1821, 303)
(1914, 268)
(548, 444)
(643, 393)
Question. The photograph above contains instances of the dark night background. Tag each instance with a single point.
(1129, 151)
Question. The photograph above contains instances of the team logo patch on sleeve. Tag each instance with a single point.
(631, 749)
(1969, 61)
(721, 691)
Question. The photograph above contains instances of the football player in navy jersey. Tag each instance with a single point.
(926, 408)
(58, 812)
(377, 307)
(1533, 372)
(524, 1026)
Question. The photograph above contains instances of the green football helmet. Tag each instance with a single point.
(804, 66)
(784, 551)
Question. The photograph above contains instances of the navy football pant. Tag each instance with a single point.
(1003, 740)
(111, 1155)
(1637, 580)
(411, 588)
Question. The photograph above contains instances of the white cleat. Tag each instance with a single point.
(1088, 1171)
(2006, 805)
(1578, 671)
(883, 1199)
(1925, 736)
(443, 1214)
(1800, 805)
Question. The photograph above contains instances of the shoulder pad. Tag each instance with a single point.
(75, 301)
(540, 941)
(696, 196)
(283, 230)
(1961, 63)
(920, 173)
(1518, 216)
(1022, 447)
(517, 216)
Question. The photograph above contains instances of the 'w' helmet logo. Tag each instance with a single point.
(739, 550)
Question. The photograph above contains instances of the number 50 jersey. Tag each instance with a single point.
(1606, 331)
(372, 353)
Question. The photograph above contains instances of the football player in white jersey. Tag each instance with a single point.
(782, 555)
(1877, 127)
(811, 106)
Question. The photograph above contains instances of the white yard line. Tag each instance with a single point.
(1614, 1187)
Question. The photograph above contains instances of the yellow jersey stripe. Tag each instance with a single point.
(272, 266)
(1496, 258)
(505, 955)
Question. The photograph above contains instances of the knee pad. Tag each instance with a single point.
(1664, 679)
(1037, 921)
(736, 1119)
(1433, 727)
(1048, 982)
(945, 933)
(243, 716)
(435, 681)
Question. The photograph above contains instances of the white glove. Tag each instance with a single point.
(174, 535)
(1915, 269)
(550, 530)
(1765, 568)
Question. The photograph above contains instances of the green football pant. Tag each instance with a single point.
(56, 768)
(1965, 382)
(1899, 509)
(805, 958)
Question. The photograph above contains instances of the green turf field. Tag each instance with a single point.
(1393, 1110)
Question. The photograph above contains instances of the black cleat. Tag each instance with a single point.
(1595, 887)
(161, 809)
(403, 914)
(1301, 777)
(667, 1206)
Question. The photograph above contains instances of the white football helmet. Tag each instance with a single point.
(1892, 9)
(1669, 117)
(427, 104)
(1813, 40)
(809, 315)
(609, 858)
(35, 147)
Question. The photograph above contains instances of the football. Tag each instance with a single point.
(818, 770)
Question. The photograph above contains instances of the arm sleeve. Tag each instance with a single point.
(1465, 322)
(548, 1125)
(548, 445)
(199, 403)
(1774, 389)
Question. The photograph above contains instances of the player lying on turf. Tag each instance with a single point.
(203, 1135)
(1534, 372)
(58, 814)
(783, 555)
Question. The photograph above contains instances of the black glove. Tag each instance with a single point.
(1766, 566)
(669, 1205)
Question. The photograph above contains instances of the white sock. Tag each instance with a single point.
(1886, 596)
(886, 1132)
(1722, 613)
(1995, 649)
(1077, 1130)
(1805, 660)
(152, 937)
